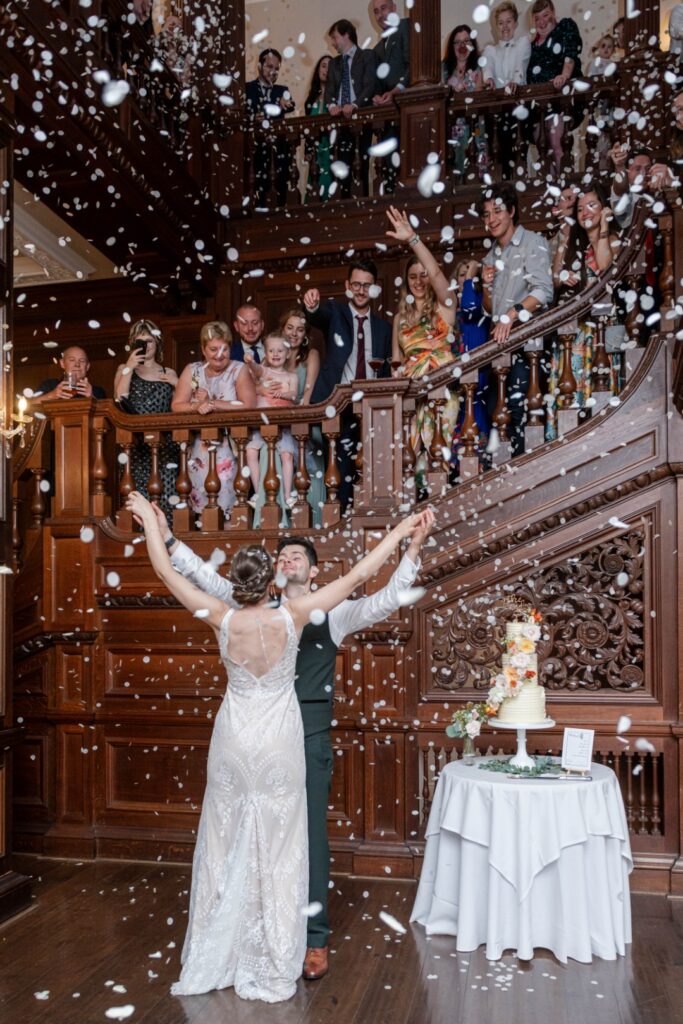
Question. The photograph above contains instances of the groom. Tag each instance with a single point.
(297, 562)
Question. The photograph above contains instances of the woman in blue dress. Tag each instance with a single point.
(473, 331)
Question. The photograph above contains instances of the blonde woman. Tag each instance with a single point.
(504, 67)
(423, 337)
(214, 384)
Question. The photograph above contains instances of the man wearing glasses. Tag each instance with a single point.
(358, 347)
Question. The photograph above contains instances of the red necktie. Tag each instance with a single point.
(361, 372)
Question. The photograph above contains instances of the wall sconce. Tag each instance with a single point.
(22, 420)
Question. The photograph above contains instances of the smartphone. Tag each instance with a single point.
(141, 349)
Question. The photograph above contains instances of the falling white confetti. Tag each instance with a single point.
(115, 92)
(120, 1012)
(480, 14)
(312, 909)
(391, 922)
(113, 579)
(42, 995)
(384, 148)
(87, 534)
(428, 178)
(644, 746)
(617, 523)
(623, 725)
(317, 617)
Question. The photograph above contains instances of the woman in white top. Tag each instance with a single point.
(504, 67)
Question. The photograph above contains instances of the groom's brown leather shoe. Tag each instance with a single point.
(316, 963)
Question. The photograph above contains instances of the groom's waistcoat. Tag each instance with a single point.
(314, 680)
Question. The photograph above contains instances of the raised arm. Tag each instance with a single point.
(328, 597)
(190, 597)
(404, 232)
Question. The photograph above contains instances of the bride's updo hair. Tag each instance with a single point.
(251, 572)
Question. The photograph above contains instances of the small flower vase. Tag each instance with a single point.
(468, 750)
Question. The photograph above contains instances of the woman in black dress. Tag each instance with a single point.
(555, 57)
(145, 386)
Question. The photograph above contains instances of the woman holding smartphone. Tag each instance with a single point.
(144, 386)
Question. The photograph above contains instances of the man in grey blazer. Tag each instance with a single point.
(350, 86)
(392, 53)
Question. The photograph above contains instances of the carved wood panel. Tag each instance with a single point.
(384, 790)
(154, 775)
(345, 806)
(70, 589)
(592, 635)
(74, 764)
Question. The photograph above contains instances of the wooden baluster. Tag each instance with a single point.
(357, 160)
(667, 280)
(642, 816)
(567, 409)
(495, 121)
(124, 519)
(17, 539)
(567, 143)
(241, 515)
(101, 502)
(501, 414)
(183, 484)
(271, 164)
(155, 486)
(655, 829)
(601, 365)
(313, 184)
(437, 474)
(293, 194)
(542, 140)
(408, 455)
(617, 766)
(331, 508)
(633, 325)
(212, 514)
(379, 164)
(567, 383)
(630, 814)
(301, 513)
(38, 500)
(270, 511)
(534, 429)
(468, 457)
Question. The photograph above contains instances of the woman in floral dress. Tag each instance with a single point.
(423, 335)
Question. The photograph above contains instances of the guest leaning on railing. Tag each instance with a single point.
(590, 248)
(555, 57)
(423, 336)
(473, 329)
(462, 73)
(315, 106)
(504, 67)
(144, 386)
(215, 385)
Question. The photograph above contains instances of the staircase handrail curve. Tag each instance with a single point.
(548, 322)
(485, 101)
(343, 396)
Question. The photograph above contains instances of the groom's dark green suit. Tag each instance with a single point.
(314, 685)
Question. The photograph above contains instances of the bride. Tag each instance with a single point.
(247, 923)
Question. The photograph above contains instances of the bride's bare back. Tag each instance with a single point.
(257, 638)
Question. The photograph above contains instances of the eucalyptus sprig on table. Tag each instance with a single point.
(542, 765)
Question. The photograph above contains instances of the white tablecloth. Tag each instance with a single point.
(525, 864)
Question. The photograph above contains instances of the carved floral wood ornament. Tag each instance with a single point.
(592, 631)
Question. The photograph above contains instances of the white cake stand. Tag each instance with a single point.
(521, 758)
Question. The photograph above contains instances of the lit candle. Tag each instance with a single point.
(22, 409)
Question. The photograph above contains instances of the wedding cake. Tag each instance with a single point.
(516, 692)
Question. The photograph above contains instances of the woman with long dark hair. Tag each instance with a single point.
(588, 250)
(315, 106)
(462, 73)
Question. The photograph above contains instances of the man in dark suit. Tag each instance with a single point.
(354, 336)
(266, 101)
(392, 54)
(349, 87)
(248, 325)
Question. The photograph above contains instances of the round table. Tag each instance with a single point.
(523, 864)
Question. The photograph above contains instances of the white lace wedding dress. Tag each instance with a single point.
(250, 870)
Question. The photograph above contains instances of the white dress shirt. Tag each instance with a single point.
(349, 374)
(507, 62)
(347, 617)
(675, 29)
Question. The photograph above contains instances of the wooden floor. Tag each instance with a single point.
(108, 934)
